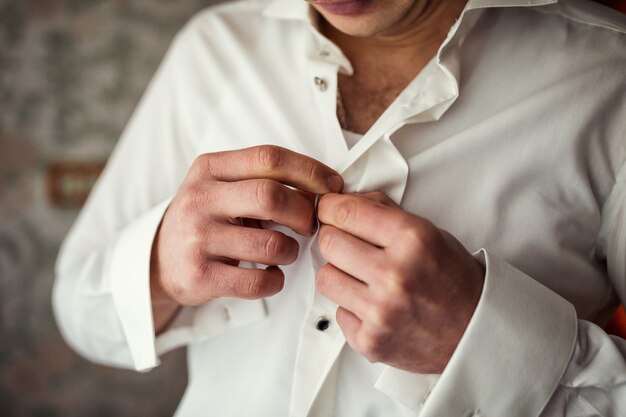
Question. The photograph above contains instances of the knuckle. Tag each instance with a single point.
(378, 196)
(254, 287)
(261, 285)
(311, 170)
(321, 211)
(275, 246)
(190, 199)
(372, 346)
(345, 211)
(430, 234)
(178, 293)
(269, 158)
(199, 162)
(397, 291)
(268, 195)
(395, 282)
(196, 231)
(202, 272)
(382, 315)
(323, 279)
(181, 291)
(208, 232)
(327, 239)
(422, 236)
(202, 164)
(379, 267)
(311, 218)
(190, 288)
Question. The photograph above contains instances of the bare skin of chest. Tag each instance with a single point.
(385, 63)
(376, 82)
(366, 98)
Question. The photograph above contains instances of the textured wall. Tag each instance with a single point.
(71, 71)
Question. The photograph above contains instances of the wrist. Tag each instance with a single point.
(164, 308)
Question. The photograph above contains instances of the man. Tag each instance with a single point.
(299, 176)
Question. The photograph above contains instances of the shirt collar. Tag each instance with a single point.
(287, 9)
(299, 9)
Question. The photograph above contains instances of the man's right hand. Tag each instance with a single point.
(206, 230)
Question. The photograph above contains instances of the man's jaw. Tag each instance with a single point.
(342, 7)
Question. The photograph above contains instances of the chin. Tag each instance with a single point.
(358, 29)
(373, 17)
(363, 25)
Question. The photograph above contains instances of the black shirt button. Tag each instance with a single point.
(322, 324)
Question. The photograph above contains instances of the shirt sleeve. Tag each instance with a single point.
(594, 383)
(510, 359)
(101, 296)
(525, 353)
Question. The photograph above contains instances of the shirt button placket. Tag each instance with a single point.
(322, 324)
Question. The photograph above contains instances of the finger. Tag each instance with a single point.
(350, 325)
(267, 247)
(363, 218)
(350, 254)
(222, 280)
(270, 162)
(378, 197)
(263, 200)
(342, 289)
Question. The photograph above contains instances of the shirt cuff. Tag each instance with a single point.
(514, 352)
(129, 269)
(409, 389)
(195, 324)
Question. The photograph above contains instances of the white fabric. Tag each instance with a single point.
(351, 138)
(512, 139)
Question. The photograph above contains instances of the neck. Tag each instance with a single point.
(385, 62)
(413, 40)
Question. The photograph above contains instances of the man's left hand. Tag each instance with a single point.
(406, 290)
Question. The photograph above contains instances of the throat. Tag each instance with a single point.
(360, 103)
(380, 75)
(385, 63)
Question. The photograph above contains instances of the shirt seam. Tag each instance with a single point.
(562, 10)
(609, 210)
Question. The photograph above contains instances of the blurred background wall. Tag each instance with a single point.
(71, 72)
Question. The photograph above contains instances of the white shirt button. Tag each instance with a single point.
(323, 53)
(321, 83)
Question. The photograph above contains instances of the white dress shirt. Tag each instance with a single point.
(512, 138)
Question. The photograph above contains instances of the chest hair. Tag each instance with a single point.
(365, 98)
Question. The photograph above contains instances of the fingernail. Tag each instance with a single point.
(335, 183)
